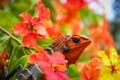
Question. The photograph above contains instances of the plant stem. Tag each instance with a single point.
(10, 35)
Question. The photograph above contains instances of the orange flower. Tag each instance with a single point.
(102, 39)
(91, 70)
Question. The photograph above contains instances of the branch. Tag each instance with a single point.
(10, 35)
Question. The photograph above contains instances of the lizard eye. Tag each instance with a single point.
(66, 49)
(75, 40)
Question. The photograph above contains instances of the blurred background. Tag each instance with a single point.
(98, 19)
(111, 9)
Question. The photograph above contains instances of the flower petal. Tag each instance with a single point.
(21, 29)
(44, 13)
(36, 57)
(26, 18)
(106, 74)
(113, 56)
(58, 58)
(3, 54)
(44, 65)
(41, 32)
(50, 74)
(104, 57)
(62, 76)
(116, 76)
(118, 66)
(29, 40)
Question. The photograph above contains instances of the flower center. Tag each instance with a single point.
(32, 28)
(113, 68)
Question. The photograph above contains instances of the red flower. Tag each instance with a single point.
(53, 66)
(30, 28)
(44, 13)
(3, 54)
(77, 3)
(29, 40)
(3, 60)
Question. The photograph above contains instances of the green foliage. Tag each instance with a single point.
(9, 15)
(22, 60)
(45, 43)
(65, 29)
(83, 58)
(10, 44)
(85, 31)
(89, 16)
(3, 42)
(7, 20)
(19, 6)
(73, 72)
(18, 56)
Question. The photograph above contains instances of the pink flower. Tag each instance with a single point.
(53, 66)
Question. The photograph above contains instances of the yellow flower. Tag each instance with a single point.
(111, 65)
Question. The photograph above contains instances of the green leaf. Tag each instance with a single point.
(20, 6)
(17, 53)
(45, 43)
(3, 42)
(10, 46)
(32, 10)
(22, 60)
(27, 51)
(73, 71)
(83, 58)
(77, 78)
(7, 20)
(85, 31)
(89, 16)
(65, 29)
(48, 3)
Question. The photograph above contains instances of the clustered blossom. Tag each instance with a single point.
(53, 66)
(104, 67)
(38, 26)
(90, 70)
(78, 4)
(43, 12)
(32, 27)
(111, 65)
(69, 10)
(100, 41)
